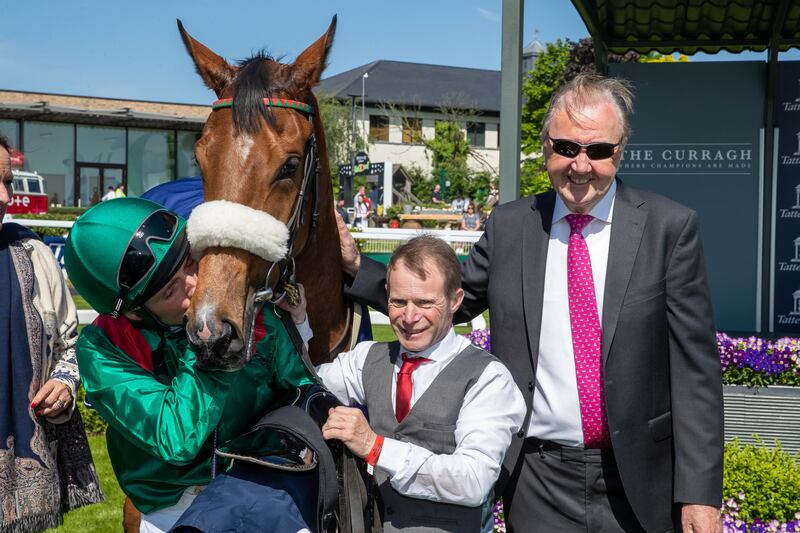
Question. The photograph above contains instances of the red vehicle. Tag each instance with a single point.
(29, 194)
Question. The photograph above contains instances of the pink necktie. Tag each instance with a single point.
(586, 336)
(405, 385)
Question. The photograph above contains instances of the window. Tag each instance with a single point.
(50, 150)
(18, 185)
(10, 129)
(476, 134)
(187, 165)
(33, 186)
(100, 144)
(151, 159)
(412, 130)
(379, 128)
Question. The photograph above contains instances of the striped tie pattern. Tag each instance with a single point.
(587, 336)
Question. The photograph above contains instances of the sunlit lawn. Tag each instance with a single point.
(102, 517)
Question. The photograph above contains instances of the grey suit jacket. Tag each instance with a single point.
(661, 366)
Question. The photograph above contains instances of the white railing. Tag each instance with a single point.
(385, 240)
(31, 223)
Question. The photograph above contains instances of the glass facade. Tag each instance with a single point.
(187, 165)
(151, 159)
(50, 150)
(100, 156)
(10, 130)
(100, 144)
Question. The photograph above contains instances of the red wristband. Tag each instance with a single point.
(372, 457)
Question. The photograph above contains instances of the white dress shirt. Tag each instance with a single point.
(493, 410)
(556, 414)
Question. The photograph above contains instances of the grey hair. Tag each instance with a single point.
(590, 89)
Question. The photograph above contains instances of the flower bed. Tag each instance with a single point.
(757, 362)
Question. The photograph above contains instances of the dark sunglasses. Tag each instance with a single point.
(594, 151)
(139, 259)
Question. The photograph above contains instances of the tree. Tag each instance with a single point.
(581, 58)
(338, 124)
(538, 88)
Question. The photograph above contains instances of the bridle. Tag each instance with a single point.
(286, 285)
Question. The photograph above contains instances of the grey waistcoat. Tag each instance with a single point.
(431, 424)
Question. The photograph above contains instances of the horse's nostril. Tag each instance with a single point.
(223, 341)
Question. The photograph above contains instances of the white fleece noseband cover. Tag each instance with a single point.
(230, 225)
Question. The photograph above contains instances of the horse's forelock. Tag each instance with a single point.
(252, 84)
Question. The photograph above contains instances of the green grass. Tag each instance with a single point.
(102, 517)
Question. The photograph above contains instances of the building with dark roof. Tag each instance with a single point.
(403, 101)
(83, 145)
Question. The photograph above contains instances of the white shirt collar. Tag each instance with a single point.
(602, 211)
(443, 349)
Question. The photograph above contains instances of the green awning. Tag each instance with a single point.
(691, 26)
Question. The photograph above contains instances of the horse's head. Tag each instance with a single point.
(254, 159)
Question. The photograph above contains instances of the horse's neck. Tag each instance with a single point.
(319, 268)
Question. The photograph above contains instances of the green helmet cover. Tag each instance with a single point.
(97, 243)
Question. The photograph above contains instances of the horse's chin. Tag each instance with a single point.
(228, 362)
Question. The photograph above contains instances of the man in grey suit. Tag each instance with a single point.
(601, 310)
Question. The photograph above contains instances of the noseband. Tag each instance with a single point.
(287, 284)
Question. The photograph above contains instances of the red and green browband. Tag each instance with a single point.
(269, 102)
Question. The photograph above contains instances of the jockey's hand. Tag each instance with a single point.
(351, 257)
(52, 399)
(349, 425)
(298, 311)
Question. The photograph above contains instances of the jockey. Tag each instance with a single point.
(129, 259)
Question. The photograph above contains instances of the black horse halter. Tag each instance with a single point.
(287, 284)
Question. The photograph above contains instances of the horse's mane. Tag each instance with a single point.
(251, 84)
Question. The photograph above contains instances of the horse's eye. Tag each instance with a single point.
(289, 168)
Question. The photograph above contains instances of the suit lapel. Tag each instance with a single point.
(627, 226)
(535, 240)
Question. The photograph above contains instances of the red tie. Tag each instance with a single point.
(404, 385)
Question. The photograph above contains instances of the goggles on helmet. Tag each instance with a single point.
(139, 260)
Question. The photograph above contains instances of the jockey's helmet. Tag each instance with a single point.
(121, 252)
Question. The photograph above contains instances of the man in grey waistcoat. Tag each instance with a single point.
(441, 412)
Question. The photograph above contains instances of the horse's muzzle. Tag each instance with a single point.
(217, 347)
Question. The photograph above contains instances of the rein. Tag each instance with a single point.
(287, 284)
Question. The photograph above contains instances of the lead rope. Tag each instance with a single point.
(214, 454)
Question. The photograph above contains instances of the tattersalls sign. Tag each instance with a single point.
(786, 275)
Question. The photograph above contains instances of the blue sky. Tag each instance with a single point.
(133, 50)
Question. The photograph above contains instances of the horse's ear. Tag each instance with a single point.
(215, 71)
(309, 65)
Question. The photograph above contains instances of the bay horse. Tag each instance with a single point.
(265, 172)
(269, 210)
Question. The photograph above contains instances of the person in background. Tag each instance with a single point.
(458, 204)
(442, 412)
(494, 195)
(361, 217)
(436, 195)
(119, 192)
(471, 221)
(109, 195)
(45, 460)
(360, 193)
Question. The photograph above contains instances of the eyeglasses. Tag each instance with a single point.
(139, 259)
(594, 151)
